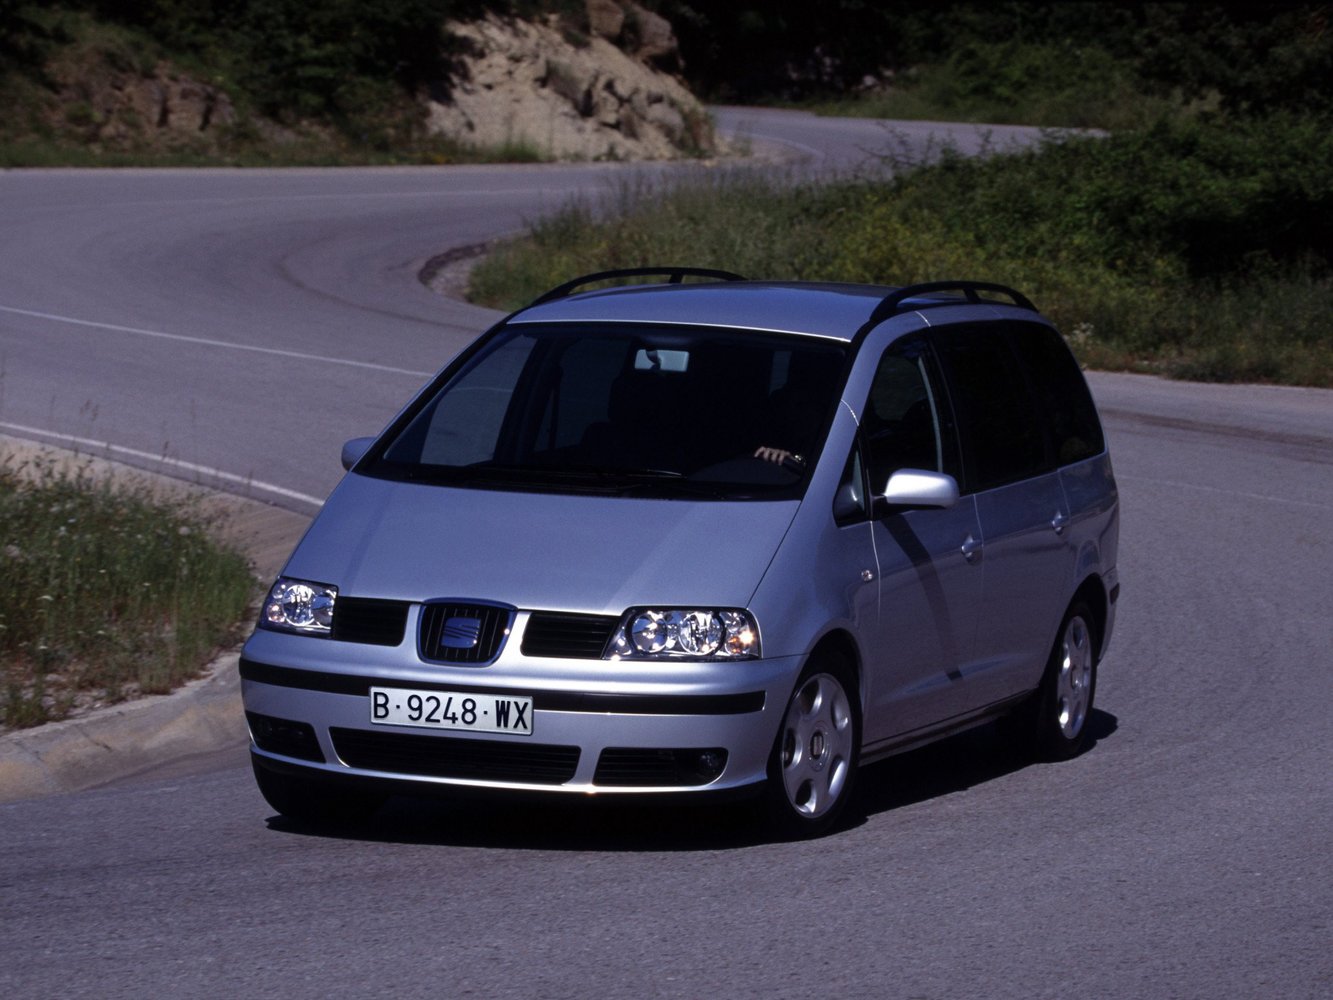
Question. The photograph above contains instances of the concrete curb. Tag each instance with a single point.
(202, 716)
(119, 740)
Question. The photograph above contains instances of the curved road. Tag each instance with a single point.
(235, 327)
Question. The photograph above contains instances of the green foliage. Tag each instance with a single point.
(339, 60)
(1191, 248)
(1015, 82)
(1214, 199)
(1037, 61)
(1259, 57)
(356, 65)
(105, 591)
(365, 118)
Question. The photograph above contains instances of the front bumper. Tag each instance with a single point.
(598, 727)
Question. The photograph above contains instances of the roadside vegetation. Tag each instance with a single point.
(1195, 248)
(269, 82)
(1191, 241)
(106, 592)
(1068, 63)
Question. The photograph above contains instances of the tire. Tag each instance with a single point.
(315, 803)
(1063, 703)
(813, 762)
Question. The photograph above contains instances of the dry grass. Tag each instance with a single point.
(108, 589)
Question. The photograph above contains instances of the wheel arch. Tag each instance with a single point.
(1092, 592)
(841, 644)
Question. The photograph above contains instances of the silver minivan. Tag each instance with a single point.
(697, 537)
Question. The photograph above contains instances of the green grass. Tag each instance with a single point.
(1189, 249)
(1016, 83)
(107, 591)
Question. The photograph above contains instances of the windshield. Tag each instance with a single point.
(631, 410)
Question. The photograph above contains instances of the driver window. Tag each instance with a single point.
(902, 428)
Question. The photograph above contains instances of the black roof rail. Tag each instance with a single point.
(892, 304)
(675, 276)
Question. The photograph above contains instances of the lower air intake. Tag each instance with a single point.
(442, 757)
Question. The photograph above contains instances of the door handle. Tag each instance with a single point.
(972, 548)
(1058, 523)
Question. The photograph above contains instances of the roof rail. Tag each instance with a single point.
(674, 274)
(893, 303)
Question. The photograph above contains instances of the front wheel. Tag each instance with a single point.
(814, 756)
(1064, 701)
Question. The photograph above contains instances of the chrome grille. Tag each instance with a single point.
(551, 633)
(467, 634)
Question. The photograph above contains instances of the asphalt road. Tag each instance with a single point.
(241, 325)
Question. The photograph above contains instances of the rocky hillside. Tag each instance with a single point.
(597, 80)
(602, 95)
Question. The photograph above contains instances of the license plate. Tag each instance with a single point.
(475, 713)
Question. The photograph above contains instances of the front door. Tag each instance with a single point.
(930, 576)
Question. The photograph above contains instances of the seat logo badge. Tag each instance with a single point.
(461, 633)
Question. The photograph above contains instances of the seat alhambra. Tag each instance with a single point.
(698, 537)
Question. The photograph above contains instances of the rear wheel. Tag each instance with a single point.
(814, 757)
(315, 803)
(1064, 701)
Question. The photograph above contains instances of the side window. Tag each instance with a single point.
(905, 425)
(1062, 394)
(999, 423)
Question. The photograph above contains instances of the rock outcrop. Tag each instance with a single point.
(568, 95)
(600, 87)
(118, 107)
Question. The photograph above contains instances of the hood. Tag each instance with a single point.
(597, 555)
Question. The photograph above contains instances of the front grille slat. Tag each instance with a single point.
(369, 620)
(443, 757)
(572, 636)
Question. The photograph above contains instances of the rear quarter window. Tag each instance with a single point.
(1061, 392)
(1000, 426)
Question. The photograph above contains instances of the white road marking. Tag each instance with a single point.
(205, 342)
(176, 464)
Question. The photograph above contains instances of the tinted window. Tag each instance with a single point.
(905, 425)
(611, 407)
(999, 424)
(1061, 392)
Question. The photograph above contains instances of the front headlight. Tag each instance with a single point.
(299, 606)
(685, 633)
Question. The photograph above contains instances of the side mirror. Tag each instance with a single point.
(354, 449)
(917, 489)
